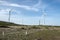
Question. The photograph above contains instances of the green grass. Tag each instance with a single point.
(3, 23)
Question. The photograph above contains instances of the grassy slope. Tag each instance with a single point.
(7, 23)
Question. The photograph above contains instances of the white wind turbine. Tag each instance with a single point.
(9, 13)
(9, 18)
(43, 16)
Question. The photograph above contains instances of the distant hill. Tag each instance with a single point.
(3, 23)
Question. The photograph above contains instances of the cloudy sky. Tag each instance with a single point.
(31, 11)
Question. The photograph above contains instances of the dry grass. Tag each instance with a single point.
(34, 33)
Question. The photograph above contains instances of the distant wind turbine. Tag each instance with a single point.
(43, 16)
(39, 21)
(9, 15)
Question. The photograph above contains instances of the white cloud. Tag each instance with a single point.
(17, 5)
(40, 4)
(36, 7)
(3, 15)
(4, 11)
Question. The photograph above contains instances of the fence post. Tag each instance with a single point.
(3, 34)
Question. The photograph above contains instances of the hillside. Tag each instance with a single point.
(3, 23)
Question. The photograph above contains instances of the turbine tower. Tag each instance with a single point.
(39, 22)
(9, 15)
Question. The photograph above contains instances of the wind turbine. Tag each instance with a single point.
(39, 22)
(43, 16)
(9, 15)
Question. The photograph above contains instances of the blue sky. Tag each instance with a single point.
(29, 12)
